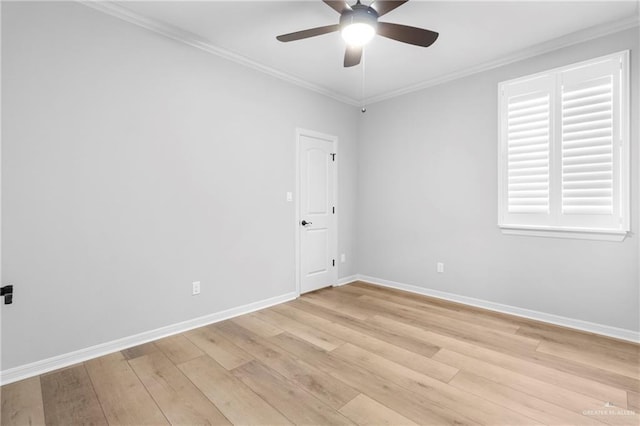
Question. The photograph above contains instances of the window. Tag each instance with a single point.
(564, 151)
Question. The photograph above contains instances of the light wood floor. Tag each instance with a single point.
(357, 354)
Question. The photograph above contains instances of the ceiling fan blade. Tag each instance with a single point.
(352, 56)
(338, 6)
(312, 32)
(405, 34)
(383, 7)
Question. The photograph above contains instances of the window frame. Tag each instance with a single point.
(620, 147)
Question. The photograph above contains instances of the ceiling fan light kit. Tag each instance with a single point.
(359, 24)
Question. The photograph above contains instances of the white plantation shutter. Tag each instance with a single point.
(590, 106)
(527, 134)
(564, 148)
(587, 147)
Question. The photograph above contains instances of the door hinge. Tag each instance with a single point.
(334, 262)
(333, 156)
(333, 209)
(7, 292)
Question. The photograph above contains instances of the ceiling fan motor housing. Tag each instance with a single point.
(359, 14)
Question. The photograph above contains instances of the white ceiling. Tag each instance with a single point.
(472, 34)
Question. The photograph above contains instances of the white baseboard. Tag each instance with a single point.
(43, 366)
(605, 330)
(346, 280)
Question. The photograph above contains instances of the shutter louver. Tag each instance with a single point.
(587, 147)
(528, 153)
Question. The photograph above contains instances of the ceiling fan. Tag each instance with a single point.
(359, 23)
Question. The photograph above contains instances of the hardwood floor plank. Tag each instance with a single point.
(577, 402)
(22, 403)
(410, 300)
(478, 409)
(257, 326)
(233, 398)
(442, 303)
(405, 341)
(178, 348)
(467, 330)
(326, 388)
(178, 398)
(596, 390)
(609, 378)
(365, 411)
(577, 338)
(123, 398)
(412, 405)
(140, 350)
(390, 351)
(330, 299)
(315, 337)
(627, 366)
(528, 405)
(69, 398)
(299, 406)
(217, 347)
(327, 313)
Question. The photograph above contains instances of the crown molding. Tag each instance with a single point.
(538, 49)
(193, 40)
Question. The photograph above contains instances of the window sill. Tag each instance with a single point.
(575, 234)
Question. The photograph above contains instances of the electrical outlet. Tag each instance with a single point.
(195, 289)
(289, 196)
(440, 267)
(343, 258)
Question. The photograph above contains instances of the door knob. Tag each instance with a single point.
(305, 223)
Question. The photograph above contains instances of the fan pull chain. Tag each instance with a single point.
(364, 58)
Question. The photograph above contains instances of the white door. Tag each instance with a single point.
(316, 219)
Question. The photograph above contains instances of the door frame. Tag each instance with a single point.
(334, 228)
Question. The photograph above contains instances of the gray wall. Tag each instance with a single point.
(428, 192)
(133, 165)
